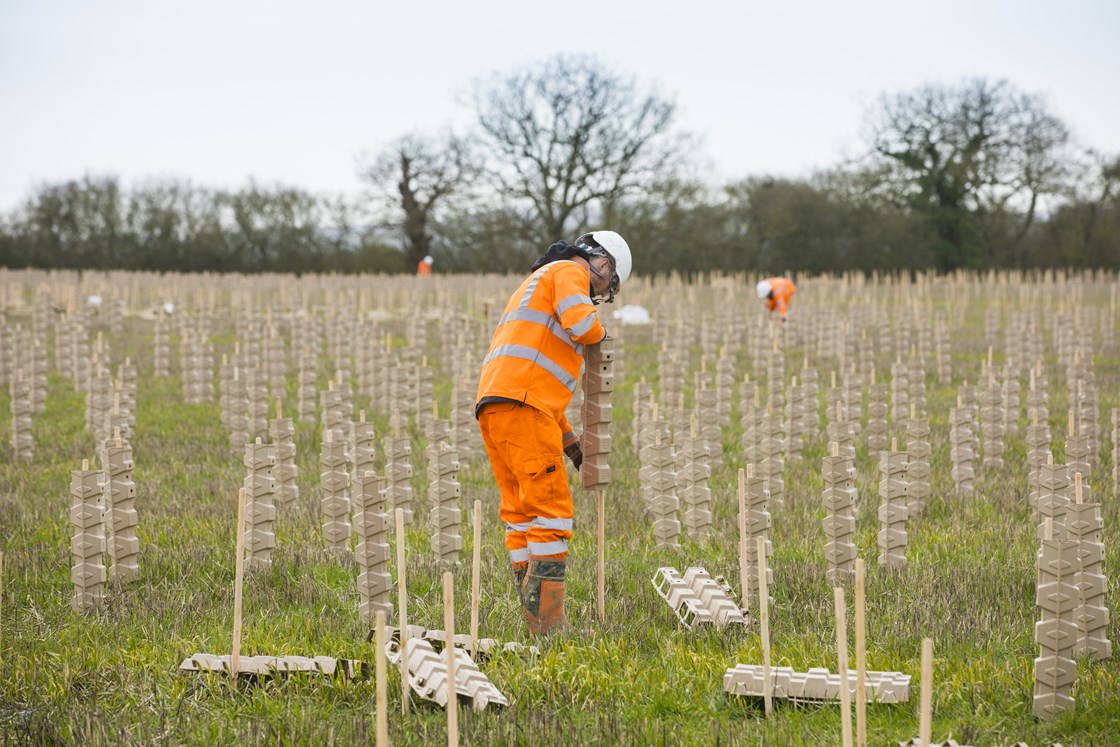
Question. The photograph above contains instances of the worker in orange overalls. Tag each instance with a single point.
(776, 292)
(527, 380)
(424, 268)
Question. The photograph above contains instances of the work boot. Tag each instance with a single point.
(543, 598)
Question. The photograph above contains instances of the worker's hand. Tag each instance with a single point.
(575, 453)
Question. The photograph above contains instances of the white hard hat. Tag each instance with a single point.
(616, 246)
(428, 259)
(763, 288)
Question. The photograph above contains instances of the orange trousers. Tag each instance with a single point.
(526, 453)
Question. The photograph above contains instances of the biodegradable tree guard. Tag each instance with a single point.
(663, 502)
(853, 398)
(87, 515)
(1038, 451)
(335, 500)
(1083, 525)
(305, 404)
(1056, 631)
(991, 423)
(773, 465)
(282, 432)
(161, 354)
(237, 419)
(961, 453)
(22, 407)
(1054, 489)
(900, 391)
(1078, 448)
(758, 527)
(260, 508)
(371, 525)
(917, 379)
(917, 464)
(1009, 399)
(839, 521)
(840, 432)
(795, 421)
(120, 508)
(892, 509)
(444, 517)
(257, 389)
(692, 483)
(398, 469)
(876, 417)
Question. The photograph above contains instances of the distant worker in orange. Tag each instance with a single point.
(527, 380)
(424, 268)
(777, 293)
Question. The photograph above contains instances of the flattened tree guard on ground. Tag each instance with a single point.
(818, 683)
(427, 676)
(698, 599)
(276, 666)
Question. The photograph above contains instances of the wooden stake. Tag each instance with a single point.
(744, 569)
(476, 577)
(449, 648)
(279, 409)
(925, 714)
(842, 654)
(382, 681)
(1, 610)
(764, 623)
(861, 657)
(238, 577)
(602, 566)
(1079, 496)
(402, 605)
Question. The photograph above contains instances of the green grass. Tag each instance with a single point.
(111, 676)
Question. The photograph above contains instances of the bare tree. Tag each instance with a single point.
(570, 137)
(976, 158)
(418, 175)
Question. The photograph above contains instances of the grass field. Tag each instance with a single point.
(110, 677)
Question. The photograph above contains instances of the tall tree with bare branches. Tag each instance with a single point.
(568, 138)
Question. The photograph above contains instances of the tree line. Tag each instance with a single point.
(977, 174)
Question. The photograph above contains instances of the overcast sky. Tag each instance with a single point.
(293, 93)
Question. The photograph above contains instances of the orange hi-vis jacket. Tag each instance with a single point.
(781, 290)
(423, 269)
(537, 348)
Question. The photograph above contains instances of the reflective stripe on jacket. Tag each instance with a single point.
(537, 348)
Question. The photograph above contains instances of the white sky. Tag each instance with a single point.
(218, 92)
